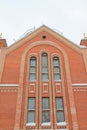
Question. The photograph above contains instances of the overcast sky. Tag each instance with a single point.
(67, 16)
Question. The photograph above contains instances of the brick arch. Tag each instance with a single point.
(68, 78)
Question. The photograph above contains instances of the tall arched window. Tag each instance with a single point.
(33, 66)
(44, 67)
(56, 68)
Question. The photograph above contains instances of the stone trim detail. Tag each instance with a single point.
(84, 51)
(8, 90)
(9, 85)
(82, 84)
(80, 89)
(2, 61)
(48, 30)
(68, 77)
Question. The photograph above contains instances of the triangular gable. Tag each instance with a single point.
(49, 31)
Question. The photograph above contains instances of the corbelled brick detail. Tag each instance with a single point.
(14, 69)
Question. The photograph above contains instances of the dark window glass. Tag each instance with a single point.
(59, 103)
(45, 70)
(32, 77)
(56, 68)
(45, 103)
(45, 76)
(33, 61)
(45, 110)
(33, 66)
(60, 109)
(56, 61)
(60, 116)
(31, 117)
(32, 70)
(45, 116)
(44, 66)
(57, 76)
(44, 59)
(31, 110)
(31, 103)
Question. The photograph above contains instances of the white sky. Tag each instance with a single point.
(67, 16)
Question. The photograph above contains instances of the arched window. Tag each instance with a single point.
(44, 66)
(33, 66)
(56, 68)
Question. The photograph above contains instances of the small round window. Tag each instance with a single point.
(44, 37)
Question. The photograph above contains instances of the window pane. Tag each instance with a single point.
(56, 61)
(31, 104)
(60, 116)
(59, 103)
(32, 76)
(56, 70)
(31, 117)
(57, 77)
(45, 103)
(32, 70)
(44, 77)
(44, 59)
(33, 62)
(44, 70)
(44, 67)
(45, 116)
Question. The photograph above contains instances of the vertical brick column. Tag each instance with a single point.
(2, 60)
(85, 58)
(19, 97)
(40, 94)
(71, 96)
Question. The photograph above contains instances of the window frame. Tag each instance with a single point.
(57, 73)
(58, 110)
(44, 66)
(44, 110)
(31, 110)
(32, 74)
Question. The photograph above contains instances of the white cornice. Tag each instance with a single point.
(9, 85)
(81, 84)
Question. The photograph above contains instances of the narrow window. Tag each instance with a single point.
(45, 110)
(33, 65)
(60, 109)
(56, 68)
(31, 110)
(44, 67)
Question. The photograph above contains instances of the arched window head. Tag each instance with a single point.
(56, 68)
(44, 63)
(33, 67)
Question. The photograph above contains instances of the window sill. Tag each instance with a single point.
(30, 124)
(58, 80)
(61, 124)
(46, 124)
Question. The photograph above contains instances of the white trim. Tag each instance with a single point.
(46, 124)
(83, 84)
(8, 85)
(31, 124)
(62, 129)
(61, 124)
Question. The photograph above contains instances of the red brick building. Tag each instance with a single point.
(43, 83)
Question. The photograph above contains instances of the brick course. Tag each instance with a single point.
(14, 69)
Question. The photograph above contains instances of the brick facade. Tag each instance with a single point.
(16, 88)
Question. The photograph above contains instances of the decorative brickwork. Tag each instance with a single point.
(16, 87)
